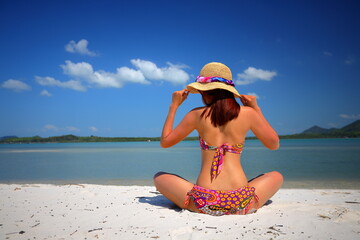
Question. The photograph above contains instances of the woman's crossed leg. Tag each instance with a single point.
(175, 188)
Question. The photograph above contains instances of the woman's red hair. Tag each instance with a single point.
(222, 107)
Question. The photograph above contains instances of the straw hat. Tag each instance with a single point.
(213, 75)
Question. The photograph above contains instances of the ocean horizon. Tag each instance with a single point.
(305, 163)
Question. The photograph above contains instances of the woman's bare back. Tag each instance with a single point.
(234, 132)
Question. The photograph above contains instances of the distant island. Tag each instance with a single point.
(74, 139)
(349, 131)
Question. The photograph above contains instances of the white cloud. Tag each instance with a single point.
(49, 81)
(148, 69)
(72, 129)
(93, 129)
(251, 75)
(254, 94)
(350, 116)
(350, 60)
(84, 75)
(15, 85)
(145, 71)
(51, 127)
(173, 73)
(126, 74)
(45, 93)
(83, 71)
(79, 47)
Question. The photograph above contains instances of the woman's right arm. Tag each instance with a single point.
(259, 125)
(171, 136)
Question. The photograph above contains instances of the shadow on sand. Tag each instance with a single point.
(159, 201)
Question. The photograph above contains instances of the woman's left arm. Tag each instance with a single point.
(170, 136)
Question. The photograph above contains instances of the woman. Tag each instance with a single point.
(222, 124)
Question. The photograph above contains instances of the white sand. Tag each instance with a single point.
(40, 211)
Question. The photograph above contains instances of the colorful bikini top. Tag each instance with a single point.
(218, 160)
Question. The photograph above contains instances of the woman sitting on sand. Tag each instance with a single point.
(222, 124)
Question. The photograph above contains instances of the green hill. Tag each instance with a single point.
(352, 127)
(349, 131)
(316, 130)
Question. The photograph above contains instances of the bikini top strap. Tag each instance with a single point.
(217, 163)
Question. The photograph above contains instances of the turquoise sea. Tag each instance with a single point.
(305, 163)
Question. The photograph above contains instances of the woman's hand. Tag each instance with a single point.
(179, 97)
(249, 101)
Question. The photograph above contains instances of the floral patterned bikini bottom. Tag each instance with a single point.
(219, 203)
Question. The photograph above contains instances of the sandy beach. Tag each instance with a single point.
(86, 211)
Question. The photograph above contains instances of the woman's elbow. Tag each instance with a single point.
(164, 144)
(274, 147)
(274, 144)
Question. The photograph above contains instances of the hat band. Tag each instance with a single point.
(201, 79)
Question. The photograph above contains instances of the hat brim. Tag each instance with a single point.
(195, 87)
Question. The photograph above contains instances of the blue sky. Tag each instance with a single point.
(108, 68)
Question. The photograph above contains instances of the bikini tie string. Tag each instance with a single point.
(218, 160)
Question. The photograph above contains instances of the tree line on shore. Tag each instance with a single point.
(349, 131)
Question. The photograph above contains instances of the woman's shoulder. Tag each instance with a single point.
(198, 109)
(246, 114)
(247, 110)
(194, 113)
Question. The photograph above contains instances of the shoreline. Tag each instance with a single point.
(88, 139)
(79, 211)
(288, 184)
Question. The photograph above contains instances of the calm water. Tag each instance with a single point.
(303, 162)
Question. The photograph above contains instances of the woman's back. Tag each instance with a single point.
(234, 132)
